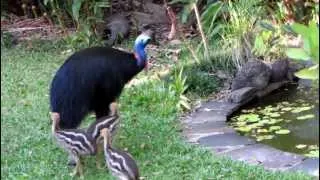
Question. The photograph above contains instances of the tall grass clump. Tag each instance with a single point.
(237, 33)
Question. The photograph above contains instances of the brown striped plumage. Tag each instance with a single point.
(111, 122)
(120, 163)
(76, 142)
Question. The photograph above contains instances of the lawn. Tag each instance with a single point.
(150, 128)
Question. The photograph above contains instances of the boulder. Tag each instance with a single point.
(254, 73)
(242, 96)
(279, 70)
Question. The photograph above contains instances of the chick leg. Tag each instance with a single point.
(71, 159)
(80, 169)
(99, 150)
(78, 165)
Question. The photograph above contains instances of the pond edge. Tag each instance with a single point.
(206, 126)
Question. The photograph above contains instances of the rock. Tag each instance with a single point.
(292, 68)
(228, 139)
(253, 74)
(309, 165)
(242, 95)
(279, 70)
(271, 87)
(269, 157)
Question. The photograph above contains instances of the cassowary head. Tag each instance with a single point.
(139, 48)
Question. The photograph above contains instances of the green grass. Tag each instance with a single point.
(150, 128)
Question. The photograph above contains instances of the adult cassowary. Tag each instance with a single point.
(92, 78)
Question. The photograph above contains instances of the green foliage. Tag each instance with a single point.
(85, 15)
(179, 86)
(270, 40)
(6, 39)
(238, 28)
(309, 51)
(82, 38)
(299, 11)
(200, 81)
(211, 26)
(82, 13)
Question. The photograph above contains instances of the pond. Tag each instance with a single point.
(287, 119)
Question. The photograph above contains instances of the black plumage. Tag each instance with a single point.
(92, 78)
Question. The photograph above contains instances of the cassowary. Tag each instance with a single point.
(92, 78)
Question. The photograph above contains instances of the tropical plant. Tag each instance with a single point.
(84, 37)
(270, 40)
(90, 12)
(309, 51)
(238, 28)
(178, 86)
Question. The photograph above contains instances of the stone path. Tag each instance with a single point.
(207, 127)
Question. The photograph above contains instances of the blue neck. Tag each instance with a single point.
(141, 54)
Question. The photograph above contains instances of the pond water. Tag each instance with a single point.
(287, 119)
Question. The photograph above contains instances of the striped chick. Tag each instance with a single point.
(120, 163)
(76, 142)
(111, 122)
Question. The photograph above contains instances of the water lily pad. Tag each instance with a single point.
(268, 136)
(272, 121)
(243, 129)
(283, 131)
(287, 109)
(301, 109)
(264, 137)
(274, 128)
(308, 116)
(254, 125)
(241, 123)
(274, 115)
(313, 147)
(313, 153)
(264, 121)
(262, 131)
(301, 146)
(259, 124)
(285, 103)
(249, 117)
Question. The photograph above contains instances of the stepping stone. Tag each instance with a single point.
(205, 116)
(210, 127)
(269, 157)
(224, 108)
(227, 140)
(309, 166)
